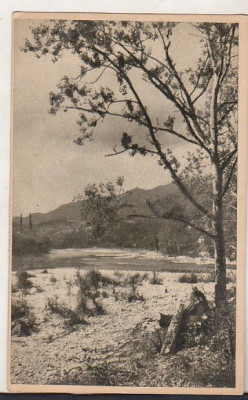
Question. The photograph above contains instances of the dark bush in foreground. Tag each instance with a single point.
(89, 294)
(188, 278)
(23, 321)
(135, 279)
(71, 317)
(23, 280)
(135, 297)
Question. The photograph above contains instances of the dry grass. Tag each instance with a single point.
(188, 278)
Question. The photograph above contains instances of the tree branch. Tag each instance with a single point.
(165, 90)
(181, 220)
(228, 159)
(157, 145)
(188, 223)
(229, 178)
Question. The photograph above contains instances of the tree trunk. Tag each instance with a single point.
(170, 342)
(220, 267)
(197, 306)
(219, 242)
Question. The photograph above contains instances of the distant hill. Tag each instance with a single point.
(66, 212)
(71, 212)
(65, 227)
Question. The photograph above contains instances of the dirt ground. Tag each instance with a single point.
(115, 341)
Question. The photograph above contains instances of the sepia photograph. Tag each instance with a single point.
(128, 185)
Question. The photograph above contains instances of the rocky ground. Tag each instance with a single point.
(112, 349)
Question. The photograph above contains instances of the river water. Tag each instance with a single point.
(114, 259)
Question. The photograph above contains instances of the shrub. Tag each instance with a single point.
(96, 279)
(45, 271)
(23, 321)
(145, 277)
(69, 287)
(88, 291)
(39, 289)
(155, 279)
(71, 317)
(206, 278)
(23, 281)
(19, 309)
(53, 279)
(14, 289)
(188, 278)
(82, 306)
(118, 274)
(135, 279)
(135, 296)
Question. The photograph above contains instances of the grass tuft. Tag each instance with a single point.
(188, 278)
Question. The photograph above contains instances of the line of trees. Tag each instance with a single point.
(30, 223)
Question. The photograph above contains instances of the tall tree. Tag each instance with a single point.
(30, 222)
(21, 223)
(203, 96)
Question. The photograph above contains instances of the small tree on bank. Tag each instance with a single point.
(203, 96)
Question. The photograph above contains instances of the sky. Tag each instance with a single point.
(48, 168)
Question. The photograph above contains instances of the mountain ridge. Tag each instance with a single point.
(71, 211)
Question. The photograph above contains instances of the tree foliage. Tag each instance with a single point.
(100, 206)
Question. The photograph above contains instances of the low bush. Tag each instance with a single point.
(118, 274)
(89, 292)
(23, 280)
(71, 317)
(53, 279)
(14, 289)
(19, 309)
(135, 279)
(135, 296)
(69, 285)
(207, 278)
(39, 289)
(155, 280)
(23, 321)
(188, 278)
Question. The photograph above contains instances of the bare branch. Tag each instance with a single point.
(226, 187)
(116, 152)
(228, 159)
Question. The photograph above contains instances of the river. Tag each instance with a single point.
(114, 259)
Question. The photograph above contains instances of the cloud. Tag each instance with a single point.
(49, 169)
